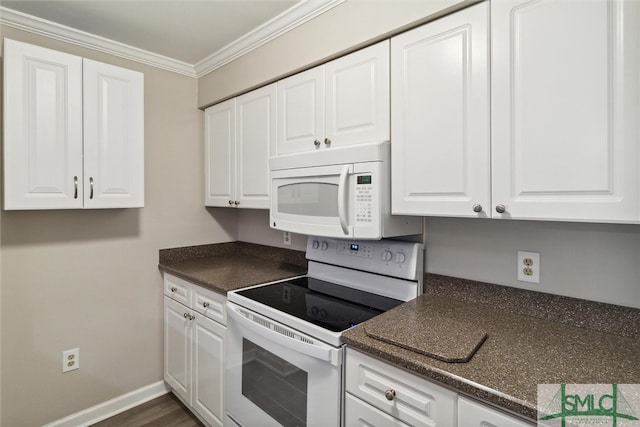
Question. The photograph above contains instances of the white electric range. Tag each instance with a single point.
(284, 354)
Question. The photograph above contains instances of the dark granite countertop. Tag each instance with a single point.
(529, 338)
(227, 266)
(526, 344)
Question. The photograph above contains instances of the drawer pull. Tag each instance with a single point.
(173, 289)
(205, 304)
(390, 394)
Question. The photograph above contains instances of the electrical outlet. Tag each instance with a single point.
(70, 360)
(287, 238)
(529, 267)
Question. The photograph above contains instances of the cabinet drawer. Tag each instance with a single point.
(209, 303)
(358, 413)
(415, 401)
(177, 289)
(471, 414)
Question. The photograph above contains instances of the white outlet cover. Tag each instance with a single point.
(535, 267)
(72, 355)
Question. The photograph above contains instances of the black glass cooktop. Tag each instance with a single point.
(333, 307)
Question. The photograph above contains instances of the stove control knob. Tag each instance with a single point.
(324, 246)
(315, 244)
(387, 255)
(400, 258)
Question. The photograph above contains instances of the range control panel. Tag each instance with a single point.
(394, 258)
(355, 249)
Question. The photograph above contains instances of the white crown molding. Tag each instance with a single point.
(42, 27)
(286, 21)
(281, 24)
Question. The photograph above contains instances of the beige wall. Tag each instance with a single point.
(89, 279)
(351, 24)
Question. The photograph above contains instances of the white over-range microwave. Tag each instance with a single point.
(338, 193)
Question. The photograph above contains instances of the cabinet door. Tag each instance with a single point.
(474, 414)
(208, 369)
(177, 348)
(565, 109)
(357, 97)
(113, 136)
(42, 128)
(440, 150)
(220, 156)
(301, 112)
(255, 137)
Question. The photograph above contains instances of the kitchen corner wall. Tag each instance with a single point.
(89, 278)
(592, 261)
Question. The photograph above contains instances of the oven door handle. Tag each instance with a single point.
(261, 325)
(342, 199)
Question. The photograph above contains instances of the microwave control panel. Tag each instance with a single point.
(364, 199)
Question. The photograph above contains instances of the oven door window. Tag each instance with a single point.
(274, 385)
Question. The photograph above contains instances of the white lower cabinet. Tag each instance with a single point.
(475, 414)
(391, 396)
(378, 394)
(194, 347)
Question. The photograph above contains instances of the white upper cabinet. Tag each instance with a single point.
(440, 142)
(255, 138)
(301, 111)
(239, 136)
(42, 128)
(52, 160)
(220, 156)
(345, 101)
(113, 136)
(561, 140)
(565, 110)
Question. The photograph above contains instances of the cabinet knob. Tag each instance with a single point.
(174, 289)
(186, 315)
(316, 143)
(192, 317)
(477, 208)
(236, 202)
(501, 209)
(205, 304)
(327, 141)
(230, 202)
(390, 394)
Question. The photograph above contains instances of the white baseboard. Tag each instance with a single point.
(112, 407)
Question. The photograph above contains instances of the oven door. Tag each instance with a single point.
(276, 376)
(313, 200)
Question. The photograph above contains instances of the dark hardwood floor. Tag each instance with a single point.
(165, 411)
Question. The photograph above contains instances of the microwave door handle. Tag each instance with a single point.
(342, 199)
